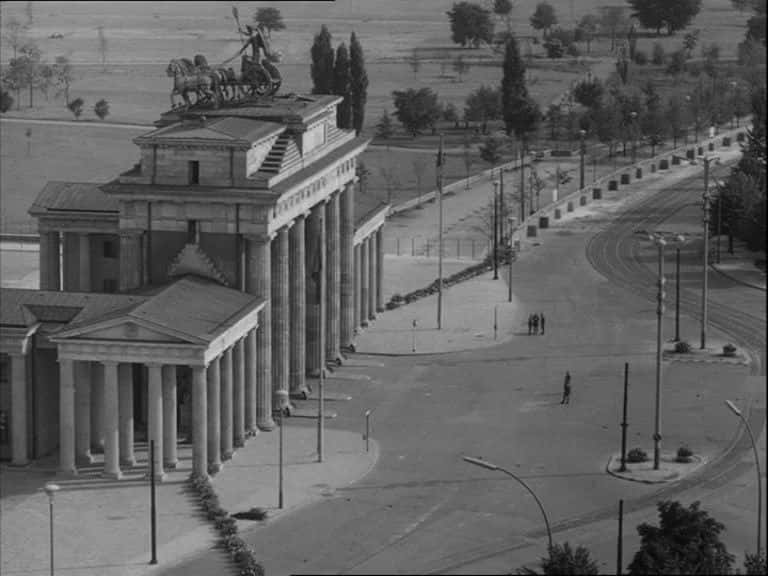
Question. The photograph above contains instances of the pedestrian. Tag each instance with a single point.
(530, 324)
(566, 389)
(535, 323)
(541, 319)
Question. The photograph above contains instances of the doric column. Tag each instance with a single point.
(280, 320)
(50, 270)
(199, 422)
(315, 288)
(155, 415)
(333, 275)
(97, 408)
(130, 259)
(125, 408)
(250, 382)
(83, 413)
(226, 405)
(111, 419)
(298, 288)
(258, 282)
(347, 264)
(70, 256)
(238, 393)
(380, 269)
(358, 284)
(364, 281)
(214, 413)
(66, 417)
(19, 409)
(170, 457)
(85, 263)
(372, 277)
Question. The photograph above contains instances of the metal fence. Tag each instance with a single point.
(458, 248)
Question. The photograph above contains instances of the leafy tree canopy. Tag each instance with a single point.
(482, 105)
(564, 560)
(269, 18)
(470, 24)
(674, 14)
(589, 93)
(687, 541)
(416, 109)
(544, 17)
(101, 109)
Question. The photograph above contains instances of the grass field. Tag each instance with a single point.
(142, 37)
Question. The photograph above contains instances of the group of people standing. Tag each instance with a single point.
(534, 321)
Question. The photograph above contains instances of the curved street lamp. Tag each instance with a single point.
(732, 408)
(491, 466)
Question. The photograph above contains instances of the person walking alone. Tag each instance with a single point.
(541, 319)
(566, 389)
(530, 324)
(535, 323)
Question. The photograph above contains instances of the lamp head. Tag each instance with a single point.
(481, 463)
(733, 408)
(51, 489)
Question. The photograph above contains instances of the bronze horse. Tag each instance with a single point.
(189, 78)
(225, 79)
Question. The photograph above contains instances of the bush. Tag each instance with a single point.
(676, 63)
(684, 454)
(729, 350)
(658, 54)
(573, 50)
(76, 107)
(682, 347)
(637, 455)
(253, 514)
(101, 109)
(641, 58)
(6, 101)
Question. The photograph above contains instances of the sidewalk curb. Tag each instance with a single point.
(696, 465)
(737, 280)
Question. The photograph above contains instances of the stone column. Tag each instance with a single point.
(358, 284)
(365, 270)
(347, 264)
(125, 408)
(83, 413)
(214, 413)
(97, 408)
(372, 277)
(298, 289)
(111, 419)
(19, 409)
(66, 417)
(258, 282)
(85, 263)
(170, 456)
(333, 275)
(380, 269)
(226, 405)
(315, 288)
(280, 320)
(238, 393)
(250, 382)
(199, 423)
(130, 259)
(70, 261)
(155, 415)
(50, 270)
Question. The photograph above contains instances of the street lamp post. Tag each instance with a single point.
(490, 466)
(50, 490)
(495, 231)
(633, 115)
(677, 293)
(738, 413)
(705, 284)
(660, 243)
(582, 150)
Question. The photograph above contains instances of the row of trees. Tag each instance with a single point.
(341, 73)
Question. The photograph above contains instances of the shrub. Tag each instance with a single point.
(729, 350)
(6, 101)
(684, 454)
(76, 107)
(253, 514)
(637, 455)
(641, 58)
(682, 347)
(676, 63)
(101, 109)
(657, 56)
(573, 50)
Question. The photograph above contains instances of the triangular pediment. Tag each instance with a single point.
(126, 330)
(192, 260)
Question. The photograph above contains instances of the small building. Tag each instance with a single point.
(193, 295)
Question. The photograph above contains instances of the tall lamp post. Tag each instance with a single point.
(51, 490)
(738, 413)
(582, 150)
(490, 466)
(633, 115)
(495, 230)
(705, 284)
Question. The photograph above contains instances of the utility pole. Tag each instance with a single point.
(440, 162)
(495, 231)
(623, 467)
(522, 183)
(677, 293)
(705, 284)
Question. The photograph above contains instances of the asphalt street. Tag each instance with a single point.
(424, 510)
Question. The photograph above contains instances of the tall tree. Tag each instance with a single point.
(416, 109)
(63, 75)
(482, 105)
(385, 128)
(544, 17)
(470, 24)
(588, 27)
(503, 9)
(359, 82)
(14, 35)
(270, 19)
(520, 112)
(687, 541)
(342, 82)
(613, 20)
(322, 63)
(28, 67)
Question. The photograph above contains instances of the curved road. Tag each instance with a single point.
(422, 510)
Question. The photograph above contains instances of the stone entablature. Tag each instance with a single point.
(371, 224)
